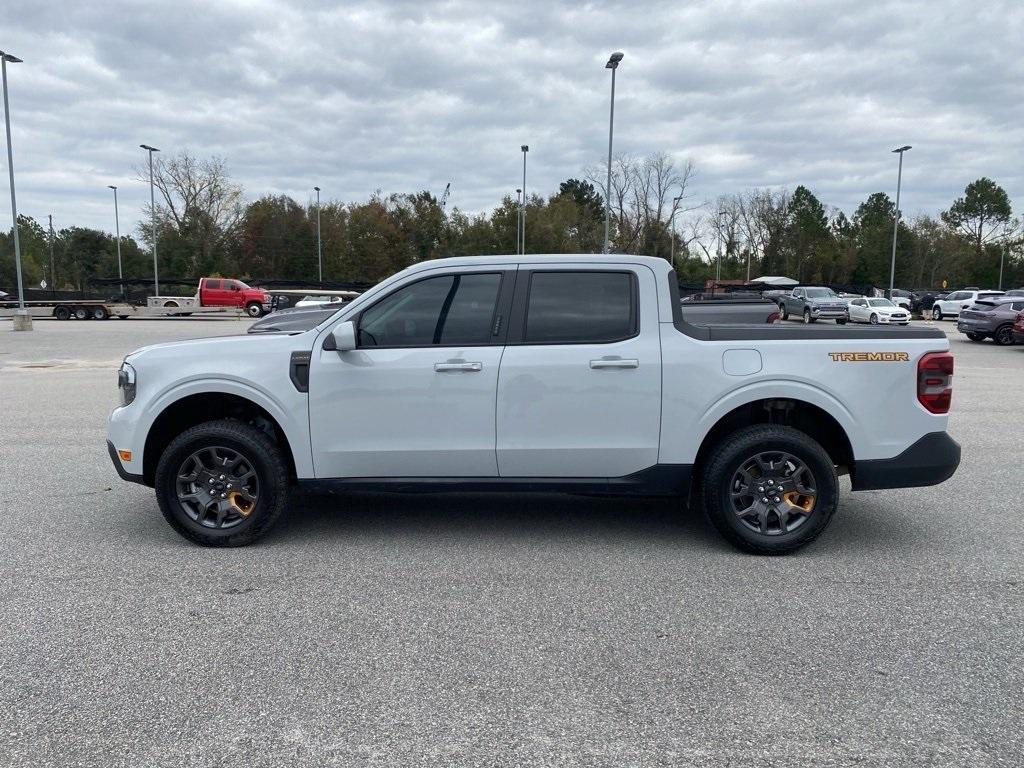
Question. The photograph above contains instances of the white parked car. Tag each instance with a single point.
(316, 301)
(957, 300)
(878, 311)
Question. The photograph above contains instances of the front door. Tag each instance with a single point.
(579, 391)
(417, 397)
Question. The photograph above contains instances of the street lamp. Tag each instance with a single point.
(117, 231)
(519, 215)
(22, 320)
(522, 202)
(672, 231)
(613, 64)
(152, 210)
(319, 251)
(896, 226)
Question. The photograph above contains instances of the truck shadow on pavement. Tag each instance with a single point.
(863, 523)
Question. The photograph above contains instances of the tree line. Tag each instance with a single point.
(205, 226)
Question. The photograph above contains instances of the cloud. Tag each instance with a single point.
(401, 96)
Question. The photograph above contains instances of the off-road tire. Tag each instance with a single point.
(732, 452)
(265, 457)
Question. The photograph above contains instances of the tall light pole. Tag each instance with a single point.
(53, 269)
(1002, 255)
(613, 64)
(672, 231)
(152, 210)
(722, 245)
(117, 232)
(522, 202)
(22, 319)
(896, 226)
(319, 251)
(519, 215)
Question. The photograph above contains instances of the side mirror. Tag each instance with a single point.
(342, 338)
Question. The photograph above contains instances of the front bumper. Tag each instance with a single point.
(931, 460)
(121, 471)
(828, 314)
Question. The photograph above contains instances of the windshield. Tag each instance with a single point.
(880, 303)
(820, 293)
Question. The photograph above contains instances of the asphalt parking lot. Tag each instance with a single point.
(481, 630)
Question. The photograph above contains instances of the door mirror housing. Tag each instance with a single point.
(342, 338)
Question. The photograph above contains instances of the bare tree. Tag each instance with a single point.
(643, 200)
(199, 201)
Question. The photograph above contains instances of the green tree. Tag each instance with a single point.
(983, 215)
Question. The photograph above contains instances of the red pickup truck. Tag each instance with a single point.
(217, 292)
(225, 292)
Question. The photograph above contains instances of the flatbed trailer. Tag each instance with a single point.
(99, 309)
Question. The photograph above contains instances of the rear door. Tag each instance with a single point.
(213, 293)
(579, 389)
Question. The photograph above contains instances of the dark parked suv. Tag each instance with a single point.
(991, 318)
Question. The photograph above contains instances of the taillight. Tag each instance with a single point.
(935, 381)
(774, 317)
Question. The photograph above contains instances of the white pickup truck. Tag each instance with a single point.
(536, 373)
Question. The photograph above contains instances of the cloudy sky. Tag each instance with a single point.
(402, 96)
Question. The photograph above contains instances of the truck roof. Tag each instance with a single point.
(659, 265)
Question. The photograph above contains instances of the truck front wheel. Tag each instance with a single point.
(769, 489)
(222, 483)
(254, 309)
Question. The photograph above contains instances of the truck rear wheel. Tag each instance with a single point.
(81, 313)
(62, 313)
(254, 309)
(100, 313)
(222, 483)
(769, 489)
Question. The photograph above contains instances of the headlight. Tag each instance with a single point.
(126, 383)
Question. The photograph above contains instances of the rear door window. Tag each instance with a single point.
(584, 307)
(213, 285)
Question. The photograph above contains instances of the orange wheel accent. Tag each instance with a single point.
(799, 500)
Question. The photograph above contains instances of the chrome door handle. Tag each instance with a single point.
(440, 367)
(614, 363)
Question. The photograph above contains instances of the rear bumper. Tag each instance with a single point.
(1018, 336)
(931, 460)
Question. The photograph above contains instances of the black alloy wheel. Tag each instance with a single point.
(773, 493)
(769, 489)
(217, 487)
(1003, 335)
(222, 483)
